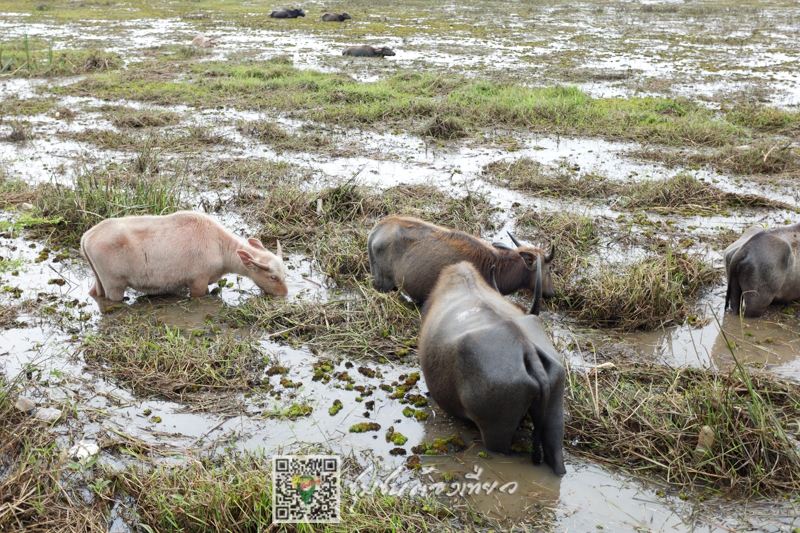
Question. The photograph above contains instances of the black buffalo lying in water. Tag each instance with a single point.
(763, 267)
(287, 13)
(367, 51)
(335, 17)
(487, 361)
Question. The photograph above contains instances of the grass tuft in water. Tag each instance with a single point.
(646, 294)
(369, 325)
(648, 418)
(171, 362)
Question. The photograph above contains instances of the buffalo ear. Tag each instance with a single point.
(255, 243)
(530, 259)
(247, 260)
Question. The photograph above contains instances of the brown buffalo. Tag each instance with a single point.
(367, 51)
(763, 267)
(487, 361)
(410, 253)
(335, 17)
(287, 13)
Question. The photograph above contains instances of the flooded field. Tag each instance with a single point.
(641, 138)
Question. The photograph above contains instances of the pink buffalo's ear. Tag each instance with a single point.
(247, 259)
(255, 243)
(280, 252)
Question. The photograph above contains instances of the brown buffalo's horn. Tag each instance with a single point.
(537, 292)
(514, 239)
(494, 279)
(549, 257)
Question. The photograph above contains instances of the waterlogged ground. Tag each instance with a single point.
(220, 155)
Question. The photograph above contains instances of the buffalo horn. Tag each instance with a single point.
(514, 239)
(552, 254)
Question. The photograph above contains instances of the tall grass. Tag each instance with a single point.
(95, 195)
(648, 418)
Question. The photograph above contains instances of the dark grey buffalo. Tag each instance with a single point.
(287, 13)
(487, 361)
(410, 253)
(335, 17)
(763, 267)
(367, 51)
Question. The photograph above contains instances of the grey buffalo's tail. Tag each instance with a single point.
(535, 369)
(537, 291)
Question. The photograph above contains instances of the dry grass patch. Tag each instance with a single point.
(363, 324)
(13, 191)
(648, 418)
(332, 223)
(128, 117)
(649, 293)
(276, 136)
(174, 363)
(686, 192)
(527, 175)
(39, 491)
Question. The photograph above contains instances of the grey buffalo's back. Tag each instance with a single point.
(763, 267)
(485, 360)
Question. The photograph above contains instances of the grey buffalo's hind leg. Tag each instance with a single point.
(550, 431)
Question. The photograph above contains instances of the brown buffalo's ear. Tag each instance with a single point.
(530, 259)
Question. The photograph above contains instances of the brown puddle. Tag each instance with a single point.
(772, 341)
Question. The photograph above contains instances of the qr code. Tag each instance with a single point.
(306, 488)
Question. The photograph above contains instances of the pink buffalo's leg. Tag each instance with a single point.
(198, 288)
(116, 292)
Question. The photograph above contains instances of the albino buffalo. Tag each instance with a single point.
(487, 361)
(367, 51)
(203, 41)
(763, 267)
(335, 17)
(161, 254)
(410, 253)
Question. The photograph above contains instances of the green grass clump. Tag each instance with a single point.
(648, 417)
(96, 195)
(648, 293)
(363, 427)
(441, 108)
(29, 57)
(371, 324)
(170, 362)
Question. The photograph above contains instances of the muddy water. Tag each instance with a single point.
(772, 341)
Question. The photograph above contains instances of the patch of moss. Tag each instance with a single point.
(363, 427)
